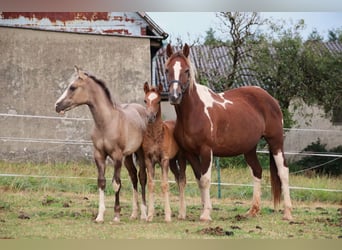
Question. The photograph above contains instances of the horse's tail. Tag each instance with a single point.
(275, 181)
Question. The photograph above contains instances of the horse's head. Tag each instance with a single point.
(178, 73)
(75, 94)
(152, 101)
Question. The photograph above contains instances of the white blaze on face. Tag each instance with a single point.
(208, 101)
(152, 96)
(63, 95)
(176, 69)
(71, 80)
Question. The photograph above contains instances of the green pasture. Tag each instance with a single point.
(59, 201)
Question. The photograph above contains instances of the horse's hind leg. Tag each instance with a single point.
(117, 187)
(101, 183)
(132, 171)
(142, 179)
(256, 170)
(279, 173)
(181, 182)
(283, 173)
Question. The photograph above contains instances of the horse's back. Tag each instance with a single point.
(136, 114)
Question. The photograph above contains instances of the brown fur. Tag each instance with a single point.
(159, 146)
(249, 114)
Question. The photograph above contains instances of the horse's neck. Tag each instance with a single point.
(156, 127)
(102, 110)
(182, 110)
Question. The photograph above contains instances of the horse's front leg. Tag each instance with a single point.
(142, 180)
(116, 182)
(181, 186)
(101, 183)
(150, 185)
(165, 188)
(202, 171)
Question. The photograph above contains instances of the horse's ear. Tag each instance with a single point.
(186, 50)
(160, 88)
(169, 50)
(80, 73)
(146, 88)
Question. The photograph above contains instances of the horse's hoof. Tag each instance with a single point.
(149, 218)
(168, 219)
(205, 219)
(133, 217)
(181, 217)
(287, 214)
(288, 217)
(98, 221)
(116, 219)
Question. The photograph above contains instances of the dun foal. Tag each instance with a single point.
(118, 133)
(159, 146)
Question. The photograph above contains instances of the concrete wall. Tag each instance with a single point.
(34, 69)
(313, 124)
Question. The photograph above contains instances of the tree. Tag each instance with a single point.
(315, 36)
(288, 68)
(210, 38)
(335, 35)
(241, 28)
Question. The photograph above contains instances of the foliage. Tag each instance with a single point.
(282, 63)
(289, 68)
(240, 29)
(210, 38)
(335, 35)
(310, 162)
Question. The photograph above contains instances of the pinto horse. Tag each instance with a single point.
(118, 133)
(159, 146)
(226, 124)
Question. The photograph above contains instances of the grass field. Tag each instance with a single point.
(55, 207)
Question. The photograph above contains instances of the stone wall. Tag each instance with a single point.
(34, 69)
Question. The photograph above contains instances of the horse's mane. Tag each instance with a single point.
(103, 85)
(192, 68)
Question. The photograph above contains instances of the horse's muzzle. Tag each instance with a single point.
(60, 108)
(175, 99)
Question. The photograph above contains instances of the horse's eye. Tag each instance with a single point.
(73, 88)
(187, 71)
(145, 101)
(166, 71)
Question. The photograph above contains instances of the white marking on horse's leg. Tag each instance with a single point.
(143, 211)
(204, 184)
(102, 206)
(283, 173)
(116, 186)
(135, 204)
(182, 205)
(254, 210)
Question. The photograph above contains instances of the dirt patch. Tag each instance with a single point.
(216, 231)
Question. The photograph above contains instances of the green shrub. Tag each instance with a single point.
(319, 164)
